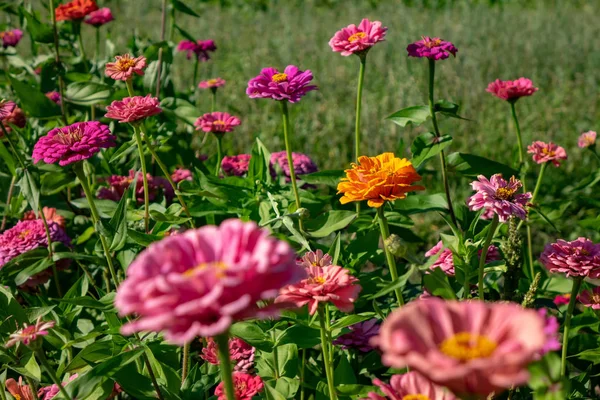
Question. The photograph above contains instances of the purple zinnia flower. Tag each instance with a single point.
(432, 48)
(499, 196)
(302, 164)
(290, 85)
(551, 331)
(359, 336)
(235, 165)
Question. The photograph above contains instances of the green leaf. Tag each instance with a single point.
(258, 169)
(124, 150)
(252, 334)
(471, 165)
(8, 159)
(349, 320)
(272, 393)
(302, 336)
(104, 304)
(392, 286)
(437, 284)
(428, 145)
(334, 250)
(55, 182)
(29, 190)
(41, 33)
(142, 239)
(87, 93)
(331, 221)
(344, 373)
(289, 224)
(11, 312)
(118, 222)
(184, 33)
(448, 109)
(328, 177)
(417, 204)
(31, 270)
(33, 101)
(412, 115)
(181, 7)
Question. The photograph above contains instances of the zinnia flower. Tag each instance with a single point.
(212, 83)
(6, 108)
(353, 40)
(133, 109)
(551, 330)
(30, 333)
(446, 261)
(545, 152)
(432, 48)
(50, 392)
(590, 298)
(359, 336)
(16, 118)
(378, 179)
(217, 122)
(124, 67)
(18, 390)
(587, 139)
(49, 213)
(11, 38)
(511, 90)
(315, 259)
(302, 164)
(199, 282)
(54, 96)
(470, 347)
(73, 143)
(235, 165)
(75, 10)
(240, 353)
(562, 299)
(579, 258)
(181, 174)
(99, 17)
(119, 184)
(499, 196)
(200, 48)
(410, 386)
(291, 84)
(246, 387)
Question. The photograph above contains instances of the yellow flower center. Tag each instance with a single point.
(318, 279)
(16, 396)
(124, 64)
(212, 81)
(429, 43)
(505, 193)
(548, 152)
(24, 234)
(596, 298)
(220, 266)
(465, 346)
(219, 122)
(281, 77)
(416, 397)
(357, 36)
(69, 137)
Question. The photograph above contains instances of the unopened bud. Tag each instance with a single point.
(396, 246)
(303, 213)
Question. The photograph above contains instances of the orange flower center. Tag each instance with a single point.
(548, 152)
(281, 77)
(219, 266)
(212, 81)
(416, 397)
(123, 64)
(429, 43)
(69, 137)
(357, 36)
(219, 122)
(584, 252)
(24, 234)
(16, 396)
(465, 346)
(505, 193)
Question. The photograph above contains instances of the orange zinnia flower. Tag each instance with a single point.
(75, 10)
(378, 179)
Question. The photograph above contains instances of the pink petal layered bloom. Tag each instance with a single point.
(290, 85)
(123, 68)
(410, 386)
(11, 38)
(212, 83)
(54, 96)
(302, 164)
(18, 390)
(562, 299)
(587, 139)
(16, 118)
(551, 330)
(50, 213)
(200, 282)
(547, 152)
(470, 347)
(359, 336)
(446, 262)
(199, 48)
(315, 259)
(579, 258)
(356, 40)
(133, 109)
(73, 143)
(590, 298)
(217, 122)
(99, 17)
(30, 333)
(117, 185)
(499, 196)
(240, 353)
(6, 108)
(246, 387)
(511, 90)
(432, 48)
(181, 174)
(50, 392)
(235, 165)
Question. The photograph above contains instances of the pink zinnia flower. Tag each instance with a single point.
(16, 118)
(410, 386)
(590, 298)
(357, 40)
(432, 48)
(246, 387)
(545, 152)
(446, 261)
(6, 108)
(49, 212)
(73, 143)
(181, 174)
(580, 257)
(587, 139)
(551, 330)
(54, 96)
(50, 392)
(30, 333)
(499, 196)
(359, 336)
(470, 347)
(11, 38)
(133, 109)
(562, 299)
(511, 90)
(235, 165)
(99, 17)
(290, 85)
(302, 164)
(125, 66)
(197, 283)
(240, 353)
(212, 84)
(217, 122)
(199, 48)
(315, 259)
(18, 390)
(119, 184)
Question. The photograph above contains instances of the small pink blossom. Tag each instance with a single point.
(551, 330)
(579, 258)
(303, 164)
(545, 152)
(511, 90)
(123, 68)
(212, 83)
(587, 139)
(432, 48)
(133, 109)
(315, 259)
(446, 261)
(357, 40)
(6, 108)
(199, 48)
(410, 386)
(181, 174)
(50, 214)
(235, 165)
(499, 196)
(18, 390)
(16, 118)
(290, 85)
(99, 17)
(30, 333)
(359, 336)
(11, 38)
(50, 392)
(217, 122)
(240, 353)
(54, 96)
(590, 298)
(117, 185)
(562, 299)
(246, 386)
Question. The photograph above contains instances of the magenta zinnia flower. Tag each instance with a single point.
(73, 143)
(240, 353)
(499, 196)
(545, 152)
(99, 17)
(30, 333)
(587, 139)
(217, 122)
(302, 164)
(446, 261)
(551, 330)
(291, 84)
(133, 109)
(117, 185)
(50, 392)
(200, 282)
(16, 118)
(235, 165)
(11, 38)
(6, 108)
(125, 66)
(410, 386)
(212, 83)
(199, 48)
(432, 48)
(356, 40)
(511, 90)
(181, 174)
(246, 387)
(580, 257)
(359, 336)
(590, 298)
(470, 347)
(562, 299)
(54, 96)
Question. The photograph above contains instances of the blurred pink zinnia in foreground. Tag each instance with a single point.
(133, 109)
(246, 386)
(212, 83)
(30, 333)
(240, 353)
(590, 298)
(357, 40)
(99, 17)
(235, 165)
(290, 85)
(410, 386)
(580, 257)
(200, 48)
(511, 90)
(500, 196)
(124, 67)
(11, 38)
(217, 122)
(432, 48)
(587, 139)
(545, 152)
(446, 261)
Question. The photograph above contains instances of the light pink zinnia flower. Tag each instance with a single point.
(587, 139)
(18, 390)
(590, 298)
(499, 196)
(133, 109)
(324, 284)
(199, 48)
(246, 387)
(290, 85)
(470, 347)
(580, 257)
(181, 174)
(73, 143)
(545, 152)
(240, 353)
(410, 386)
(235, 165)
(217, 122)
(30, 333)
(6, 108)
(303, 164)
(446, 261)
(11, 38)
(357, 40)
(432, 48)
(315, 259)
(50, 392)
(50, 213)
(359, 336)
(212, 84)
(99, 17)
(562, 299)
(54, 96)
(197, 283)
(125, 66)
(511, 90)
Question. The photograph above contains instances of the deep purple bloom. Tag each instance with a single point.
(290, 85)
(302, 164)
(432, 48)
(359, 336)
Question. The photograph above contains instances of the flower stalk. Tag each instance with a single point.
(288, 149)
(222, 342)
(140, 146)
(385, 233)
(567, 326)
(326, 354)
(359, 91)
(39, 352)
(484, 251)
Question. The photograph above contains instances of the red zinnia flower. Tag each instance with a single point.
(75, 10)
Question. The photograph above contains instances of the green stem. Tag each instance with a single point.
(172, 27)
(12, 145)
(185, 360)
(130, 90)
(385, 233)
(359, 91)
(326, 355)
(50, 252)
(42, 358)
(302, 367)
(572, 301)
(152, 376)
(538, 184)
(519, 142)
(97, 48)
(436, 130)
(140, 146)
(195, 82)
(225, 365)
(11, 189)
(219, 153)
(288, 148)
(593, 150)
(61, 82)
(484, 252)
(81, 49)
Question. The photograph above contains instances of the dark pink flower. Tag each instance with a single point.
(353, 39)
(446, 261)
(240, 353)
(117, 185)
(562, 299)
(199, 48)
(302, 164)
(30, 333)
(410, 386)
(432, 48)
(6, 108)
(246, 387)
(545, 152)
(50, 392)
(499, 196)
(11, 38)
(551, 330)
(133, 109)
(16, 118)
(235, 165)
(54, 96)
(124, 67)
(291, 84)
(580, 257)
(217, 122)
(511, 90)
(99, 17)
(181, 174)
(212, 83)
(587, 139)
(73, 143)
(590, 298)
(359, 336)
